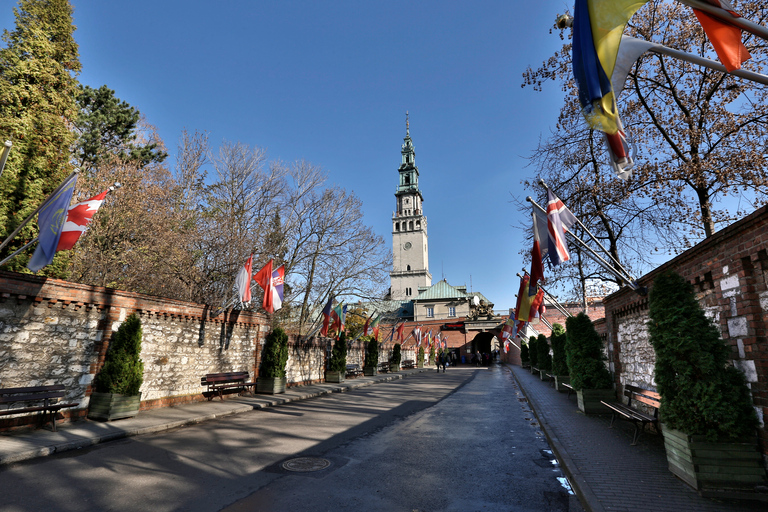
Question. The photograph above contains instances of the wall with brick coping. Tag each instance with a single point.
(729, 272)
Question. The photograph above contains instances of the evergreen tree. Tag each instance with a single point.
(396, 355)
(38, 87)
(558, 338)
(543, 357)
(533, 351)
(108, 129)
(584, 354)
(525, 355)
(372, 353)
(700, 393)
(338, 362)
(421, 356)
(275, 354)
(123, 371)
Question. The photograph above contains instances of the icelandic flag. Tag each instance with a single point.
(243, 281)
(78, 217)
(326, 317)
(559, 220)
(278, 277)
(50, 220)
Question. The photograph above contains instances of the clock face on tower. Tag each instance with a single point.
(407, 245)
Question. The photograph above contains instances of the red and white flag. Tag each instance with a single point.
(243, 281)
(560, 219)
(78, 217)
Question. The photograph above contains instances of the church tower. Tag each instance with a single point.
(409, 230)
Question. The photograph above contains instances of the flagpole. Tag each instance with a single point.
(26, 221)
(722, 14)
(17, 251)
(615, 261)
(599, 259)
(4, 157)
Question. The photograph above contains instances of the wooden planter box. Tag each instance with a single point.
(420, 364)
(370, 371)
(270, 386)
(714, 468)
(394, 367)
(589, 400)
(335, 377)
(560, 380)
(111, 406)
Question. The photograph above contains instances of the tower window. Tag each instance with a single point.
(397, 226)
(408, 267)
(410, 225)
(407, 180)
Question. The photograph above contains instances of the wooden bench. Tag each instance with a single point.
(216, 383)
(640, 419)
(569, 388)
(44, 399)
(353, 370)
(384, 367)
(408, 363)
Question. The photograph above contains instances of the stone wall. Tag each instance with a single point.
(729, 273)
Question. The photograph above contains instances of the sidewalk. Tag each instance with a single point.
(605, 471)
(25, 445)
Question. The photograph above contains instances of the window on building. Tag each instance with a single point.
(397, 226)
(408, 268)
(451, 311)
(430, 312)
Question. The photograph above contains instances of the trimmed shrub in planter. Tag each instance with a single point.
(272, 377)
(543, 357)
(703, 399)
(420, 358)
(584, 355)
(525, 356)
(394, 360)
(371, 366)
(533, 352)
(337, 364)
(116, 387)
(559, 362)
(431, 354)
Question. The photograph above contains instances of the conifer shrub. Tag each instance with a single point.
(559, 363)
(123, 371)
(584, 354)
(396, 355)
(525, 356)
(543, 357)
(533, 351)
(700, 393)
(338, 361)
(421, 356)
(372, 353)
(432, 353)
(275, 355)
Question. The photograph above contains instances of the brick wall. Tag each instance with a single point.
(729, 272)
(57, 332)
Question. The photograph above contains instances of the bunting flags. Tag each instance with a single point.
(725, 38)
(78, 217)
(243, 281)
(50, 220)
(559, 220)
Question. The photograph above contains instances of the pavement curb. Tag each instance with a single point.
(577, 481)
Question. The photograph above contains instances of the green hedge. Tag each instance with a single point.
(584, 354)
(544, 359)
(338, 361)
(275, 355)
(123, 371)
(558, 339)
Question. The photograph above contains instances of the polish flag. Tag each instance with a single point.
(78, 217)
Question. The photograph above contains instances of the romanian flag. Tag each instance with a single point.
(597, 29)
(725, 38)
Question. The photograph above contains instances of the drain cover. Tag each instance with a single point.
(306, 464)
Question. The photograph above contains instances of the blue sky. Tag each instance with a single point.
(330, 82)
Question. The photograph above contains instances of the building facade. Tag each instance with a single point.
(410, 249)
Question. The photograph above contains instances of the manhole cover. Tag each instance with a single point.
(306, 464)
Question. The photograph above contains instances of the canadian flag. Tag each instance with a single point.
(78, 217)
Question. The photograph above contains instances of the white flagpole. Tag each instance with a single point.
(719, 12)
(4, 156)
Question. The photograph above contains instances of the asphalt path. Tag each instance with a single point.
(463, 440)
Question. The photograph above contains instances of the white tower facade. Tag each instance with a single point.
(410, 250)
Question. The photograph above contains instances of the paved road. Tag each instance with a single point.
(462, 440)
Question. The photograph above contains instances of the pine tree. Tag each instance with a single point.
(700, 393)
(38, 87)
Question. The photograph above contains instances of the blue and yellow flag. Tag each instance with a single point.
(50, 220)
(597, 29)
